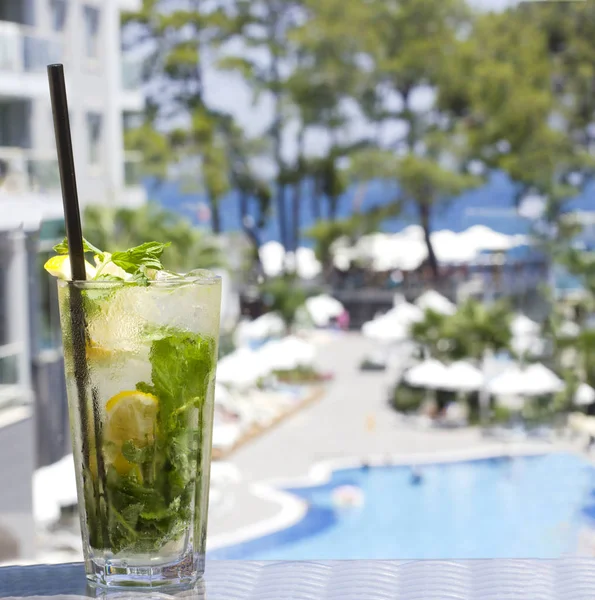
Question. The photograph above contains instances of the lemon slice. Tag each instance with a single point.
(131, 416)
(59, 266)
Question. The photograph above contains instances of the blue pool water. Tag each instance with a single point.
(500, 507)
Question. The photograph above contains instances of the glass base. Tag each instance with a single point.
(180, 574)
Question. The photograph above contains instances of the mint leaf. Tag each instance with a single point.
(137, 260)
(133, 454)
(154, 503)
(182, 364)
(88, 248)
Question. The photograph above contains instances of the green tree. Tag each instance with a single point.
(253, 190)
(284, 295)
(423, 183)
(263, 31)
(406, 44)
(477, 328)
(175, 39)
(429, 333)
(473, 331)
(118, 229)
(325, 76)
(325, 232)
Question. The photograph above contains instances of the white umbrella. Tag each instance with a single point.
(385, 252)
(533, 381)
(541, 380)
(307, 265)
(286, 354)
(570, 329)
(323, 308)
(584, 395)
(481, 238)
(385, 329)
(241, 368)
(511, 382)
(226, 435)
(54, 486)
(451, 247)
(405, 313)
(272, 255)
(265, 326)
(530, 343)
(522, 326)
(463, 376)
(430, 374)
(432, 300)
(223, 396)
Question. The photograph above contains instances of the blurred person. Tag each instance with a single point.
(343, 320)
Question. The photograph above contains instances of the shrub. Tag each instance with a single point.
(299, 375)
(407, 399)
(500, 415)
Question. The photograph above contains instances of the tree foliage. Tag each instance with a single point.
(285, 295)
(471, 332)
(428, 94)
(123, 228)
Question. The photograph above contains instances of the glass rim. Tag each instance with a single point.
(153, 283)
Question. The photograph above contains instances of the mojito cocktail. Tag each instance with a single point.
(141, 411)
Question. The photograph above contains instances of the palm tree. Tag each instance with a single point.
(284, 295)
(477, 328)
(118, 229)
(430, 333)
(473, 331)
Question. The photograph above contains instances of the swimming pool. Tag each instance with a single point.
(503, 507)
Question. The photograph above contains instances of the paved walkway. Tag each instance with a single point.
(336, 426)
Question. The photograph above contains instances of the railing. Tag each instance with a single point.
(9, 354)
(11, 390)
(132, 169)
(132, 73)
(22, 51)
(23, 170)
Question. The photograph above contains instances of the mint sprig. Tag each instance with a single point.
(134, 261)
(138, 260)
(88, 248)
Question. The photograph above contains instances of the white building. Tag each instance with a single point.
(104, 93)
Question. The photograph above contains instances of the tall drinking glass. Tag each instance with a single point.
(140, 371)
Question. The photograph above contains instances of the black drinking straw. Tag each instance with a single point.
(74, 233)
(70, 198)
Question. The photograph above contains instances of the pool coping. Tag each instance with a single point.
(293, 509)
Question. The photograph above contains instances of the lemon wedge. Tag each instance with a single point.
(131, 416)
(59, 266)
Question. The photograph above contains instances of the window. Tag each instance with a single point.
(59, 10)
(94, 137)
(131, 120)
(91, 16)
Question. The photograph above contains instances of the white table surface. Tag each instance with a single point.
(563, 579)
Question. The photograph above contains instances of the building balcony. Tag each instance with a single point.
(23, 59)
(130, 5)
(26, 171)
(134, 192)
(12, 392)
(132, 78)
